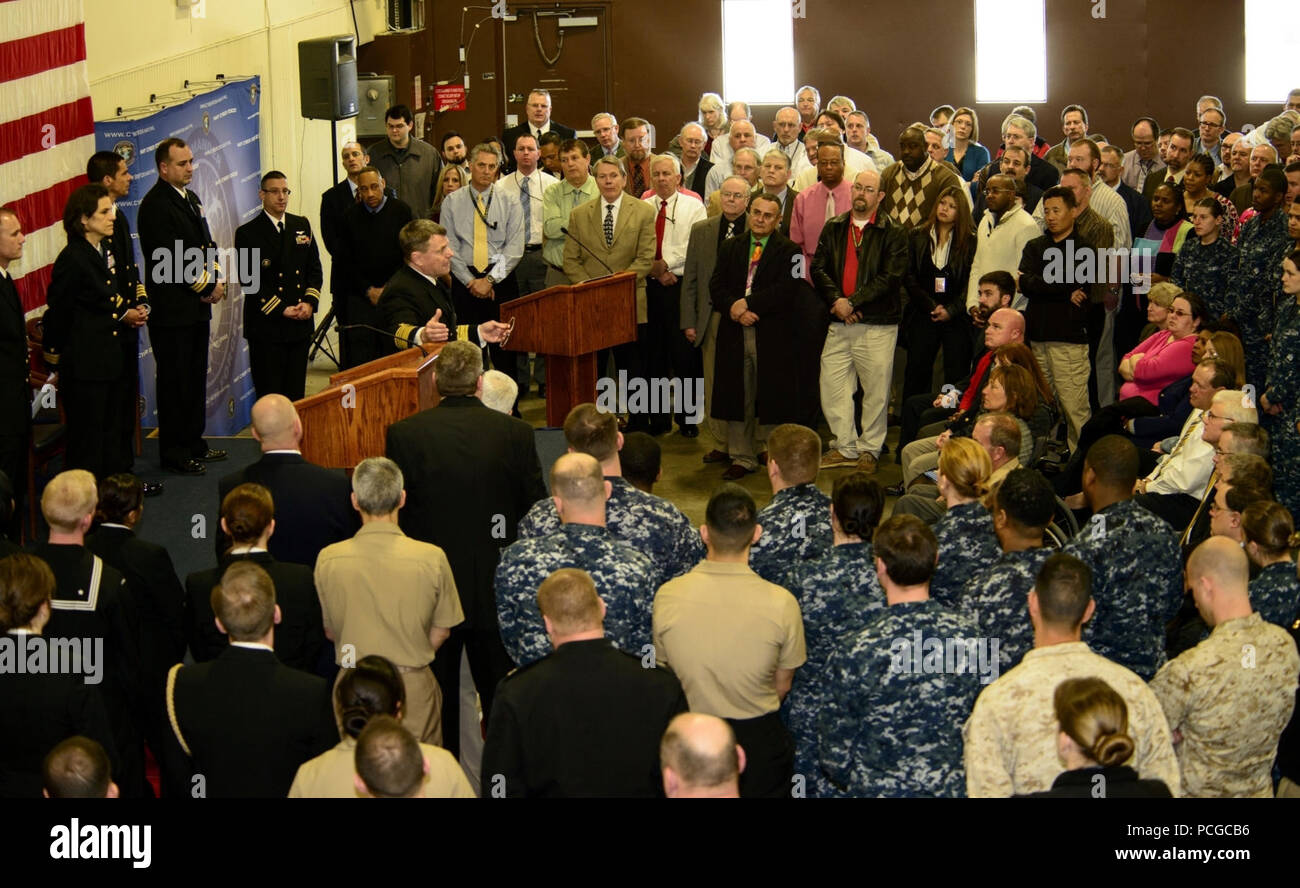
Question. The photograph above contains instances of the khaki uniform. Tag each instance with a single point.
(1230, 697)
(1011, 733)
(382, 593)
(330, 775)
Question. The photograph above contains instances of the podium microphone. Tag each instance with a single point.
(566, 233)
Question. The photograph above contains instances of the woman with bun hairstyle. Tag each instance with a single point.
(1269, 536)
(967, 542)
(372, 689)
(838, 593)
(1094, 744)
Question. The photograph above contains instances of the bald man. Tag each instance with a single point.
(700, 758)
(313, 505)
(585, 720)
(1228, 699)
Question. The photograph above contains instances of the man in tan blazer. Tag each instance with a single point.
(614, 233)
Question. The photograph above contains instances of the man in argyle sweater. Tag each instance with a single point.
(911, 185)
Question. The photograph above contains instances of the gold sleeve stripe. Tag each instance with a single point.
(51, 357)
(404, 336)
(171, 707)
(271, 305)
(202, 282)
(313, 293)
(140, 293)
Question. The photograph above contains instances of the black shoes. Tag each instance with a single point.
(186, 467)
(213, 456)
(152, 488)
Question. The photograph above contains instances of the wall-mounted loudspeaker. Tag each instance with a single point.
(327, 77)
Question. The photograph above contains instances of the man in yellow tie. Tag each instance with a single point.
(485, 229)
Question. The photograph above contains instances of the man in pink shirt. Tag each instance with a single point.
(813, 206)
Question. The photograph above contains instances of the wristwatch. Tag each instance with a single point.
(491, 280)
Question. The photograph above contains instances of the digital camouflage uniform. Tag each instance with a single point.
(967, 545)
(1137, 584)
(998, 598)
(1284, 389)
(890, 724)
(1204, 271)
(1275, 594)
(625, 579)
(1254, 287)
(796, 527)
(1230, 697)
(838, 594)
(648, 523)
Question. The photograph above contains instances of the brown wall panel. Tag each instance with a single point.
(896, 60)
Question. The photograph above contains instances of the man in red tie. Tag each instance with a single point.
(635, 133)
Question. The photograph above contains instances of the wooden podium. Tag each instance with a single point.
(348, 421)
(569, 324)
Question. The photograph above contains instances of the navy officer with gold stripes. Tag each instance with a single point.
(83, 330)
(279, 252)
(416, 304)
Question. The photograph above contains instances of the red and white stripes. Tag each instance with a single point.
(47, 127)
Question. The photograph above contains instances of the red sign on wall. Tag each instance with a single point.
(448, 98)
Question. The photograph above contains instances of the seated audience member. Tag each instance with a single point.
(1172, 489)
(500, 391)
(646, 522)
(700, 758)
(383, 593)
(242, 724)
(388, 761)
(1226, 720)
(1011, 735)
(40, 708)
(838, 593)
(246, 520)
(1230, 501)
(311, 502)
(374, 688)
(795, 523)
(626, 577)
(999, 436)
(735, 641)
(1093, 744)
(1165, 356)
(158, 597)
(968, 543)
(78, 768)
(994, 328)
(1137, 578)
(891, 731)
(641, 458)
(995, 596)
(1269, 538)
(1160, 298)
(91, 601)
(584, 720)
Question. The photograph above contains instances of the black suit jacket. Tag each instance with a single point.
(288, 272)
(334, 205)
(249, 722)
(174, 284)
(410, 300)
(156, 596)
(508, 139)
(130, 287)
(471, 474)
(313, 506)
(300, 632)
(15, 392)
(40, 711)
(83, 324)
(584, 721)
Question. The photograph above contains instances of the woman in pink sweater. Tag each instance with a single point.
(1166, 356)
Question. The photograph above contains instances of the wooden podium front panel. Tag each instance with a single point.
(343, 425)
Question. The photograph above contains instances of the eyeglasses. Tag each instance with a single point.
(735, 195)
(1178, 312)
(1211, 415)
(1144, 143)
(277, 191)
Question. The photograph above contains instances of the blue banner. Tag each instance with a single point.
(222, 129)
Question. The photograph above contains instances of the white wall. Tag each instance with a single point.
(135, 48)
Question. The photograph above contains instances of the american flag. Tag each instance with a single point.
(47, 127)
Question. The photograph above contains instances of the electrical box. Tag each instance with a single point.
(375, 94)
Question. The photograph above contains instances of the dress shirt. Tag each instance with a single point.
(1187, 467)
(558, 201)
(722, 153)
(854, 162)
(505, 240)
(537, 182)
(683, 212)
(1134, 174)
(797, 153)
(809, 215)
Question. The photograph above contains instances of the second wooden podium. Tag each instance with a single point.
(569, 324)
